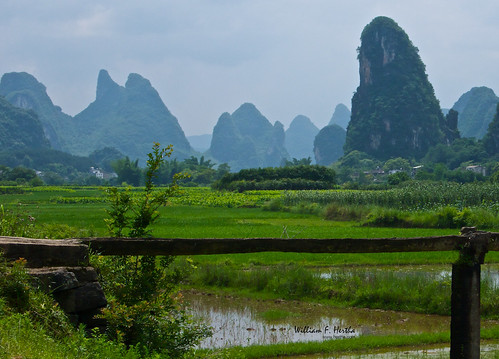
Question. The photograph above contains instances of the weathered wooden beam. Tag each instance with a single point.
(189, 246)
(45, 252)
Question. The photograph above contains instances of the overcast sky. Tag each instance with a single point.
(206, 57)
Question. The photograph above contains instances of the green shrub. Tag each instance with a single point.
(144, 309)
(386, 217)
(278, 178)
(345, 213)
(16, 224)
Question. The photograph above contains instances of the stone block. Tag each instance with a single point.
(86, 297)
(55, 279)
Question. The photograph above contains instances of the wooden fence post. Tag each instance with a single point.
(465, 298)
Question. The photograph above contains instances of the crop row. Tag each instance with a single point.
(419, 196)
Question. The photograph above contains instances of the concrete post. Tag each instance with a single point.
(465, 312)
(465, 299)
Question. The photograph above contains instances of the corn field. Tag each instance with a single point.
(417, 196)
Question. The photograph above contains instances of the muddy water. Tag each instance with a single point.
(242, 321)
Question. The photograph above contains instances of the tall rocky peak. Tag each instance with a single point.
(300, 137)
(394, 111)
(476, 110)
(25, 91)
(341, 116)
(129, 118)
(246, 139)
(106, 87)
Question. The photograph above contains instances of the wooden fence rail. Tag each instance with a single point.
(189, 246)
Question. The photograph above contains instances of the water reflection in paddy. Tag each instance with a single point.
(240, 321)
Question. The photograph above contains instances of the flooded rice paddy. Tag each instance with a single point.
(243, 322)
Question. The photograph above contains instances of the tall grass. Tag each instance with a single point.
(21, 338)
(415, 291)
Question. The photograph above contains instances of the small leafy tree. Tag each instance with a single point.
(144, 307)
(128, 171)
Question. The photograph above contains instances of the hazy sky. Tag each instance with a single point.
(206, 57)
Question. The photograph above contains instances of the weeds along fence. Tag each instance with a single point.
(465, 298)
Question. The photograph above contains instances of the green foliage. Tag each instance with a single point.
(445, 217)
(127, 171)
(295, 162)
(104, 157)
(453, 155)
(398, 163)
(16, 223)
(289, 178)
(335, 212)
(19, 295)
(397, 178)
(57, 167)
(136, 214)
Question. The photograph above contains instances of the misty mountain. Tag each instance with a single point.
(328, 144)
(300, 137)
(247, 139)
(341, 116)
(476, 110)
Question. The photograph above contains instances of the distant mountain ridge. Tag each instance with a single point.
(129, 118)
(24, 91)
